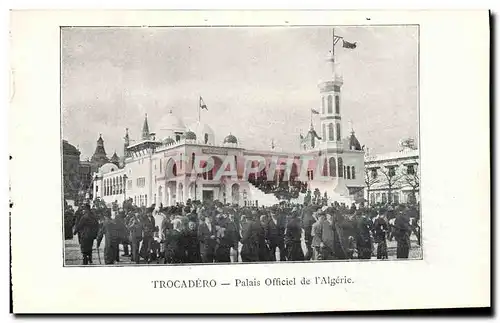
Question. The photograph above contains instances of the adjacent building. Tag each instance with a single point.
(393, 177)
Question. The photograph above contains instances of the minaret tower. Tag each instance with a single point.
(145, 129)
(126, 143)
(330, 114)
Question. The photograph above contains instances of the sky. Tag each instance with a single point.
(258, 83)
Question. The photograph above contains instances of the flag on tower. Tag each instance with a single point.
(313, 111)
(202, 104)
(349, 45)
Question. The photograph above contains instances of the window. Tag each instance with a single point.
(145, 200)
(395, 198)
(338, 131)
(384, 198)
(348, 171)
(330, 132)
(392, 171)
(337, 104)
(340, 167)
(374, 173)
(129, 184)
(330, 104)
(160, 166)
(192, 159)
(177, 137)
(141, 182)
(325, 167)
(323, 105)
(410, 170)
(353, 176)
(324, 132)
(333, 167)
(372, 199)
(181, 162)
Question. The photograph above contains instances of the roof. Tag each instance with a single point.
(231, 139)
(408, 153)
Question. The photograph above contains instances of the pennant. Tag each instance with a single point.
(349, 45)
(202, 104)
(314, 111)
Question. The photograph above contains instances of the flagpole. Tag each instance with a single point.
(333, 46)
(199, 109)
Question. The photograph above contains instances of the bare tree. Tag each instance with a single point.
(412, 180)
(369, 182)
(391, 179)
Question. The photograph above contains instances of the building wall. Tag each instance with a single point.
(402, 180)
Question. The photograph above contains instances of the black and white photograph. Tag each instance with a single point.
(201, 145)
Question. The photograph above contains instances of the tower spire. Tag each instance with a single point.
(145, 128)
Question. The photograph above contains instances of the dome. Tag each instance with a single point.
(354, 142)
(107, 168)
(204, 133)
(169, 125)
(190, 135)
(168, 141)
(230, 139)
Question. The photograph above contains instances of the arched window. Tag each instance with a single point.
(182, 161)
(193, 155)
(337, 104)
(353, 173)
(338, 131)
(333, 167)
(345, 173)
(372, 198)
(323, 105)
(330, 132)
(325, 167)
(324, 132)
(174, 169)
(330, 104)
(348, 172)
(341, 167)
(206, 138)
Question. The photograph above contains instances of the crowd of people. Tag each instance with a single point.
(213, 232)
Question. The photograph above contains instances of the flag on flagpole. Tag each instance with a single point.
(313, 111)
(202, 104)
(349, 45)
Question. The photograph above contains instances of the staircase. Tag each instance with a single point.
(265, 199)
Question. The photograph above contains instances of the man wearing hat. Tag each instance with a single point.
(308, 221)
(380, 228)
(363, 236)
(402, 232)
(316, 234)
(87, 229)
(135, 227)
(293, 235)
(110, 231)
(207, 236)
(275, 234)
(250, 238)
(149, 227)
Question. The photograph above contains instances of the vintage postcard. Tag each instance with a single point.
(195, 155)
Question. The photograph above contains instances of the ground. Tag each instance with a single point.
(74, 257)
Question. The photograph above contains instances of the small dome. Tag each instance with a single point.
(190, 135)
(107, 168)
(354, 142)
(168, 141)
(230, 139)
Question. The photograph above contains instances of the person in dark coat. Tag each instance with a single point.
(174, 246)
(228, 235)
(87, 229)
(380, 229)
(264, 251)
(69, 222)
(307, 223)
(275, 235)
(135, 227)
(293, 235)
(250, 239)
(402, 232)
(149, 227)
(207, 237)
(120, 221)
(192, 244)
(316, 235)
(363, 236)
(110, 231)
